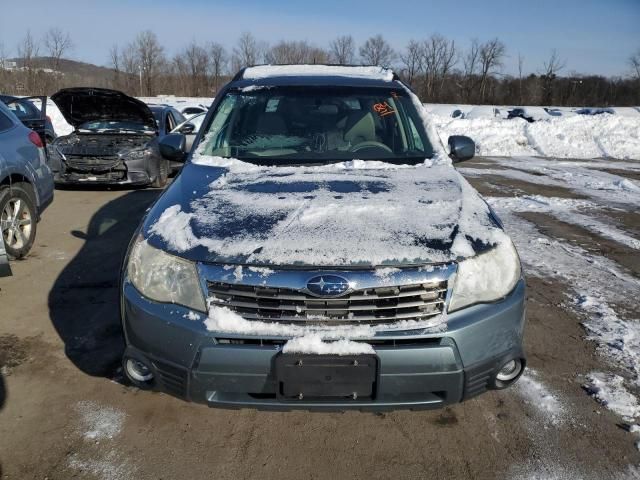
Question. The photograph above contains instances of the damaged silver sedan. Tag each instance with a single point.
(115, 140)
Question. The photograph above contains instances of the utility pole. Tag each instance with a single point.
(140, 72)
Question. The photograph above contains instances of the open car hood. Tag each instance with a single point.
(79, 105)
(321, 216)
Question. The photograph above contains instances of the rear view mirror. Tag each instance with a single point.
(173, 147)
(187, 129)
(461, 148)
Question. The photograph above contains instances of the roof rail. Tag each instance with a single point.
(240, 74)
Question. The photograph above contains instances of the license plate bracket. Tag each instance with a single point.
(306, 377)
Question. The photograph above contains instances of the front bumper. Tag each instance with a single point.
(415, 370)
(134, 172)
(74, 177)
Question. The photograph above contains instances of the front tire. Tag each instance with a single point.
(163, 174)
(17, 219)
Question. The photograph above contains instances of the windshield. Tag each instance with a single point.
(295, 125)
(115, 126)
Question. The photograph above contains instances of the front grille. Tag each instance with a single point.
(370, 306)
(94, 164)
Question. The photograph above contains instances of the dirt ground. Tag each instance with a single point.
(65, 413)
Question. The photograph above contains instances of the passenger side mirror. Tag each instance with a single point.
(173, 147)
(461, 148)
(187, 129)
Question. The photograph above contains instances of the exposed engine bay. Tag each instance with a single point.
(102, 150)
(104, 155)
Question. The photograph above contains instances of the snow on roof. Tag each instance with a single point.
(266, 71)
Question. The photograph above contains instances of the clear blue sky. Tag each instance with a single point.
(594, 36)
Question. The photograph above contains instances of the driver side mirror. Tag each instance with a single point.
(461, 148)
(187, 129)
(173, 147)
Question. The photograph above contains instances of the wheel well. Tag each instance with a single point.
(26, 184)
(17, 178)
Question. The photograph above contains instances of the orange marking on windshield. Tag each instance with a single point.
(383, 109)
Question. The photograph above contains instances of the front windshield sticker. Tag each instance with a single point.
(383, 109)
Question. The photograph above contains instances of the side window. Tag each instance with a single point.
(19, 110)
(217, 135)
(169, 124)
(178, 117)
(417, 141)
(5, 122)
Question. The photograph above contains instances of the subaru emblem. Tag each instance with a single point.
(327, 286)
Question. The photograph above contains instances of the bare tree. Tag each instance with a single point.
(3, 56)
(4, 83)
(470, 63)
(131, 67)
(438, 58)
(412, 61)
(549, 73)
(634, 62)
(193, 64)
(151, 59)
(57, 43)
(295, 52)
(248, 51)
(287, 52)
(343, 50)
(376, 51)
(492, 54)
(554, 64)
(218, 59)
(115, 62)
(28, 50)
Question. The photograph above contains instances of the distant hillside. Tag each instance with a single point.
(42, 81)
(72, 67)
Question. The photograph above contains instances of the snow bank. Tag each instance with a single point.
(609, 390)
(579, 136)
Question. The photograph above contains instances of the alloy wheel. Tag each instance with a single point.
(16, 223)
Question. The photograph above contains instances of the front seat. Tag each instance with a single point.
(360, 127)
(271, 124)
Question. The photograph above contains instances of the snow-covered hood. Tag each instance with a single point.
(349, 214)
(80, 105)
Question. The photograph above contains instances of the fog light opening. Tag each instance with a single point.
(509, 373)
(138, 371)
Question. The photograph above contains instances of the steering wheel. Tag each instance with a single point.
(370, 144)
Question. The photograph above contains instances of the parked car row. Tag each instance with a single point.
(529, 114)
(114, 142)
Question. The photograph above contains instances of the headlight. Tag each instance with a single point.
(486, 277)
(136, 154)
(163, 277)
